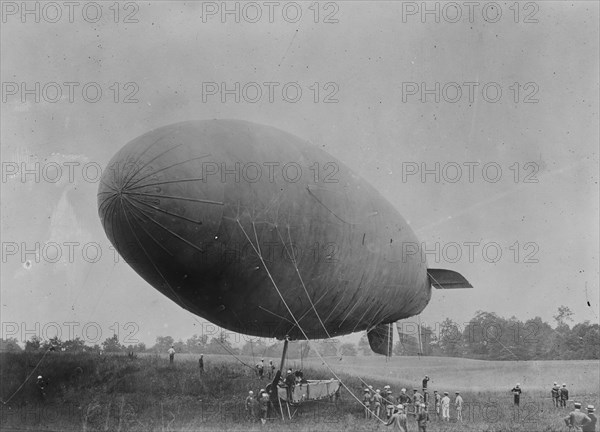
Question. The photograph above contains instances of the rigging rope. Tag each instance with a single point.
(260, 256)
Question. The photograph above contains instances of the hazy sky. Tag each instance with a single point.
(372, 61)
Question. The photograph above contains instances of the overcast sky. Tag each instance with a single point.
(371, 61)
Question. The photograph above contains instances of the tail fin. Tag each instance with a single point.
(447, 279)
(381, 339)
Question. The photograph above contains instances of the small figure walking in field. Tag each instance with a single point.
(445, 407)
(171, 354)
(201, 363)
(271, 370)
(576, 419)
(591, 426)
(564, 396)
(555, 392)
(41, 385)
(367, 403)
(438, 403)
(516, 391)
(398, 419)
(458, 403)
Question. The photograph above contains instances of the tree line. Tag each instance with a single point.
(486, 336)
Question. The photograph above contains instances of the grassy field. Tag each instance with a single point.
(114, 393)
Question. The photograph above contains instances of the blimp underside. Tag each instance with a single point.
(259, 232)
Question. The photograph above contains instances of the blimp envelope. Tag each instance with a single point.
(261, 232)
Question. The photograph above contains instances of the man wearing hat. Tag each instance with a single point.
(458, 404)
(403, 398)
(398, 419)
(251, 405)
(377, 400)
(422, 417)
(289, 385)
(576, 419)
(555, 394)
(417, 400)
(564, 395)
(425, 381)
(516, 391)
(264, 405)
(445, 407)
(437, 399)
(389, 401)
(591, 426)
(367, 403)
(41, 384)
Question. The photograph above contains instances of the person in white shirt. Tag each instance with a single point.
(458, 403)
(445, 407)
(171, 354)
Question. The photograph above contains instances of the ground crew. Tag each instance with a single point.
(422, 418)
(417, 400)
(591, 426)
(425, 380)
(398, 419)
(555, 392)
(171, 354)
(251, 405)
(377, 400)
(260, 368)
(458, 403)
(576, 419)
(367, 403)
(516, 391)
(289, 384)
(201, 363)
(271, 371)
(564, 395)
(403, 398)
(388, 399)
(438, 403)
(264, 405)
(445, 407)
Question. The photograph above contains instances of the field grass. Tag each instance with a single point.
(113, 393)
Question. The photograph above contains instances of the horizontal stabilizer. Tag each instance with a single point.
(447, 279)
(381, 339)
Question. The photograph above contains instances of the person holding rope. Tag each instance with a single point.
(377, 400)
(367, 403)
(388, 399)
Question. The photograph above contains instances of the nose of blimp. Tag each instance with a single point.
(157, 209)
